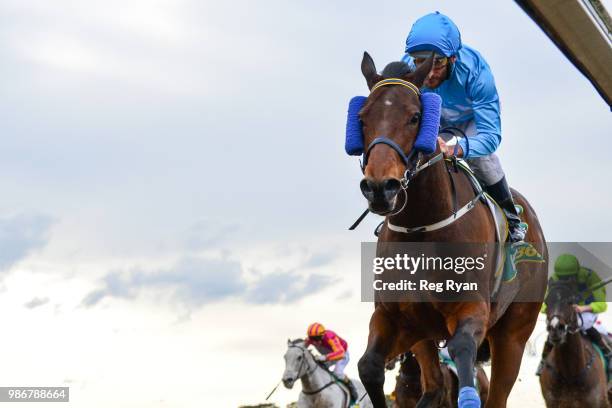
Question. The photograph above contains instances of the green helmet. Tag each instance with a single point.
(567, 265)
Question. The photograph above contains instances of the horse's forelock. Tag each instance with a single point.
(396, 69)
(560, 290)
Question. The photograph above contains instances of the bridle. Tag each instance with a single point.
(572, 328)
(406, 158)
(413, 170)
(332, 382)
(317, 365)
(299, 371)
(573, 325)
(578, 377)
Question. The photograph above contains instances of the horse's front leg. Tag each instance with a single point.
(432, 380)
(382, 342)
(470, 325)
(508, 338)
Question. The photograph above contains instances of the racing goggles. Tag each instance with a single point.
(439, 61)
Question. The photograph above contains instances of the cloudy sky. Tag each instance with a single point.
(176, 194)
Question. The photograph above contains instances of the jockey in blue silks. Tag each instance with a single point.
(463, 79)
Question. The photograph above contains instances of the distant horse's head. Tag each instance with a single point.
(392, 111)
(298, 361)
(561, 317)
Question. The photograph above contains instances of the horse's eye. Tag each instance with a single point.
(415, 119)
(299, 358)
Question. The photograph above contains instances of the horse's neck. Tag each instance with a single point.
(570, 357)
(316, 379)
(429, 195)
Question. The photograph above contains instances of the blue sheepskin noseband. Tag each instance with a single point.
(426, 140)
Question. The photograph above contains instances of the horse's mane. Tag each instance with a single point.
(396, 69)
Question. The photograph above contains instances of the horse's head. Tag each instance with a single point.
(391, 117)
(560, 314)
(297, 362)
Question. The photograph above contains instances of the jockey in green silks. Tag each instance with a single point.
(567, 266)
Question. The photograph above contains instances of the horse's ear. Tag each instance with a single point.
(419, 75)
(368, 69)
(288, 342)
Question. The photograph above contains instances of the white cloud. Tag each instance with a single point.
(155, 131)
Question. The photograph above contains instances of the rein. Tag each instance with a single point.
(457, 213)
(409, 174)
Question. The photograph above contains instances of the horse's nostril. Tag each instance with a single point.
(391, 188)
(367, 189)
(383, 191)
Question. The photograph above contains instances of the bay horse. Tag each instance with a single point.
(408, 388)
(390, 121)
(574, 374)
(319, 387)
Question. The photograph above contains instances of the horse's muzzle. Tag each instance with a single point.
(288, 382)
(556, 331)
(381, 195)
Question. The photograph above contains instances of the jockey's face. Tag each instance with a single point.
(439, 72)
(316, 338)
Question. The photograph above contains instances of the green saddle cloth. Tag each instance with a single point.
(517, 253)
(603, 359)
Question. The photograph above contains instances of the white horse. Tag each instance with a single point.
(319, 388)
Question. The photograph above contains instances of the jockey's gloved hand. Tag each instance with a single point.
(320, 358)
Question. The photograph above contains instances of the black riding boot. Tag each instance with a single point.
(597, 338)
(545, 351)
(501, 193)
(352, 390)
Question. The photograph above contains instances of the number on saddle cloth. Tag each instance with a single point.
(426, 141)
(517, 253)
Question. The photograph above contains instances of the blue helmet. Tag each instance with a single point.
(434, 32)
